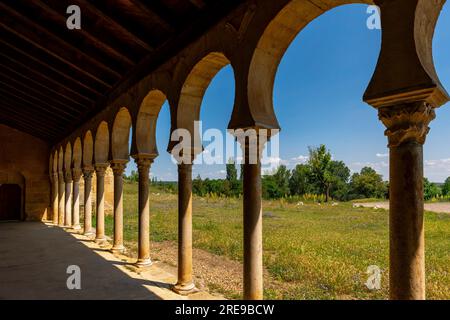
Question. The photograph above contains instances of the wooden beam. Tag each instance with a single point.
(60, 19)
(14, 99)
(117, 26)
(26, 115)
(40, 75)
(26, 58)
(33, 33)
(41, 82)
(25, 96)
(33, 91)
(26, 126)
(160, 19)
(198, 3)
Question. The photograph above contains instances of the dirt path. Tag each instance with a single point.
(441, 207)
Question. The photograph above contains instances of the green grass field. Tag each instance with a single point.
(310, 251)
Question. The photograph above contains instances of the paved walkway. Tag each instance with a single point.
(440, 207)
(34, 258)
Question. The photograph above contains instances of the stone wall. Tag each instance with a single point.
(24, 160)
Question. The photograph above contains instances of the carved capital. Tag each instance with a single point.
(54, 177)
(143, 162)
(76, 174)
(100, 169)
(118, 167)
(407, 122)
(68, 176)
(87, 173)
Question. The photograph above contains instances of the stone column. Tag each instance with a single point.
(76, 174)
(252, 189)
(143, 164)
(68, 210)
(87, 175)
(55, 197)
(118, 167)
(407, 127)
(100, 169)
(185, 284)
(61, 198)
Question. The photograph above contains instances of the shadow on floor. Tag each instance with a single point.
(34, 258)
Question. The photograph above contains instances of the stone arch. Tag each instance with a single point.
(101, 145)
(68, 157)
(77, 154)
(194, 88)
(146, 122)
(88, 149)
(273, 43)
(121, 135)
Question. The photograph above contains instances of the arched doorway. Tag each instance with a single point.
(10, 202)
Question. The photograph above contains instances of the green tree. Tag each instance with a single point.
(232, 185)
(320, 174)
(367, 184)
(446, 187)
(281, 178)
(430, 190)
(299, 182)
(339, 174)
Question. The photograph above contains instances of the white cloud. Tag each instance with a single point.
(437, 170)
(300, 159)
(382, 155)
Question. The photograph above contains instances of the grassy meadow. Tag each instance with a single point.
(310, 252)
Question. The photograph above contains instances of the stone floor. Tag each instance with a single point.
(34, 257)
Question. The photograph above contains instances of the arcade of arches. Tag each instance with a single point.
(252, 36)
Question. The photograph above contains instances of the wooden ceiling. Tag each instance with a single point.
(53, 79)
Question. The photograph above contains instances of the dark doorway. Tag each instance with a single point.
(10, 202)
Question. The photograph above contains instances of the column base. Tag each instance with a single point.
(101, 240)
(76, 227)
(89, 233)
(143, 263)
(185, 289)
(118, 249)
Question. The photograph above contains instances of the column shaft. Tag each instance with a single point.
(185, 283)
(68, 210)
(55, 195)
(61, 200)
(253, 262)
(144, 212)
(118, 169)
(76, 199)
(87, 174)
(406, 231)
(100, 221)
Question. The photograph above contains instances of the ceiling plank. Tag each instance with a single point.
(61, 122)
(58, 49)
(117, 26)
(41, 82)
(27, 58)
(42, 74)
(22, 115)
(60, 19)
(25, 96)
(160, 19)
(32, 91)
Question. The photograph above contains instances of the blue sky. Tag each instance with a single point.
(318, 99)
